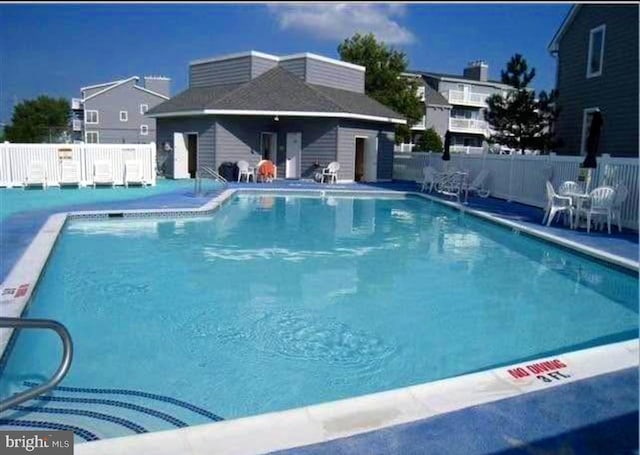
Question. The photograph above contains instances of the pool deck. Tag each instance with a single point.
(592, 412)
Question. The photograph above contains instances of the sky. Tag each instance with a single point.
(56, 49)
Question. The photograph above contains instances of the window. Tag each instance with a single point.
(144, 130)
(596, 51)
(587, 116)
(91, 117)
(92, 137)
(144, 108)
(124, 116)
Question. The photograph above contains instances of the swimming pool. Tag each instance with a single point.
(275, 302)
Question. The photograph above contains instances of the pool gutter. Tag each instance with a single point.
(326, 421)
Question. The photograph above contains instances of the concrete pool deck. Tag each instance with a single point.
(24, 227)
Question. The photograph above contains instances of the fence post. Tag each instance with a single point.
(511, 160)
(7, 164)
(153, 162)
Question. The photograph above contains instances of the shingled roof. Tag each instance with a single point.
(277, 90)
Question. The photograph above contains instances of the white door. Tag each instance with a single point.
(294, 152)
(370, 160)
(180, 157)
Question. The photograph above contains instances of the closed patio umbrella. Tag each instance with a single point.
(446, 156)
(593, 141)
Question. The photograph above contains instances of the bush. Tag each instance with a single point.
(429, 141)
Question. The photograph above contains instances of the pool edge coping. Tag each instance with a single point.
(29, 267)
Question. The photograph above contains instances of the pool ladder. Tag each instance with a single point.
(208, 173)
(61, 372)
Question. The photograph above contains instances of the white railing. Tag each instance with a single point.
(521, 178)
(403, 148)
(76, 104)
(468, 98)
(76, 124)
(468, 125)
(465, 149)
(15, 160)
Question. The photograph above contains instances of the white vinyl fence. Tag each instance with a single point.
(521, 178)
(15, 159)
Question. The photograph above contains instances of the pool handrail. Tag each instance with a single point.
(206, 172)
(61, 372)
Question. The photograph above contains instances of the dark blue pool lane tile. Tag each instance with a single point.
(592, 416)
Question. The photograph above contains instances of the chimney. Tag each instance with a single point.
(158, 84)
(478, 70)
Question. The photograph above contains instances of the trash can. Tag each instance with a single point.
(229, 171)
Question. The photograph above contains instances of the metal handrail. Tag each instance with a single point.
(204, 172)
(61, 372)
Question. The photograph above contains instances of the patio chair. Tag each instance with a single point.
(70, 173)
(133, 174)
(103, 173)
(600, 205)
(266, 171)
(569, 187)
(243, 170)
(36, 175)
(557, 204)
(428, 178)
(622, 192)
(331, 171)
(479, 185)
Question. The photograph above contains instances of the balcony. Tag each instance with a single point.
(421, 125)
(76, 124)
(468, 98)
(468, 125)
(466, 149)
(76, 104)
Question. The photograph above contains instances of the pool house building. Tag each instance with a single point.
(300, 111)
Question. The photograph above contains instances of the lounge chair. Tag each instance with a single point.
(133, 174)
(331, 171)
(70, 173)
(36, 175)
(556, 204)
(102, 173)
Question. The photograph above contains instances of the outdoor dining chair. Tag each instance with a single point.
(557, 204)
(600, 205)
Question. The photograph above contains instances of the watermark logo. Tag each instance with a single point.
(36, 442)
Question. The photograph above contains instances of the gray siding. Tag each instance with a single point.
(438, 119)
(92, 91)
(296, 66)
(261, 65)
(615, 92)
(347, 132)
(238, 138)
(336, 76)
(204, 126)
(122, 98)
(232, 71)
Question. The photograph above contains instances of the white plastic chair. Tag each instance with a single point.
(70, 173)
(569, 187)
(479, 185)
(622, 192)
(428, 178)
(557, 204)
(331, 171)
(243, 169)
(133, 173)
(36, 175)
(102, 173)
(600, 205)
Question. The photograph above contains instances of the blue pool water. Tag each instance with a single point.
(278, 302)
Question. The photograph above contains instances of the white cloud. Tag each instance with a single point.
(337, 21)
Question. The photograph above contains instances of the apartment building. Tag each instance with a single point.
(114, 112)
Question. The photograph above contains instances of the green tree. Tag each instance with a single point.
(429, 141)
(519, 119)
(383, 79)
(40, 120)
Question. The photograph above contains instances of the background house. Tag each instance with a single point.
(456, 103)
(597, 51)
(300, 111)
(114, 112)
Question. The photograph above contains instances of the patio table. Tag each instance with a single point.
(577, 201)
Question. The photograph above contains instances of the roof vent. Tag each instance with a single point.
(477, 70)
